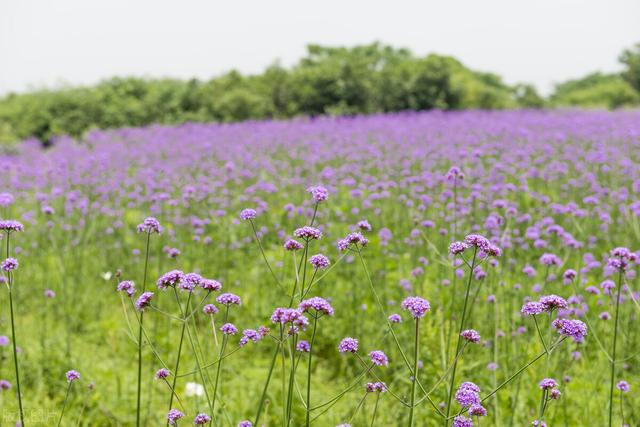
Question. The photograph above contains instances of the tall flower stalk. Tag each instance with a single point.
(8, 266)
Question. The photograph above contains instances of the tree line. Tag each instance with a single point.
(328, 80)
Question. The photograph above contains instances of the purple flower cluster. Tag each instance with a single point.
(417, 306)
(319, 305)
(150, 225)
(573, 328)
(308, 233)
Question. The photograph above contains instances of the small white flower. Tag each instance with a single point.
(194, 389)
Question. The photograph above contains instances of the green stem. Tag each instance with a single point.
(313, 337)
(64, 405)
(175, 371)
(144, 284)
(415, 371)
(13, 337)
(613, 353)
(266, 385)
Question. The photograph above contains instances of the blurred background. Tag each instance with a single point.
(70, 66)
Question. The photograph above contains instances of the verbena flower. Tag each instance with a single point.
(456, 248)
(210, 309)
(378, 358)
(170, 279)
(72, 376)
(229, 329)
(352, 239)
(364, 225)
(379, 387)
(417, 306)
(228, 299)
(173, 416)
(623, 386)
(293, 245)
(319, 193)
(9, 264)
(532, 308)
(5, 385)
(127, 287)
(320, 305)
(548, 384)
(319, 261)
(10, 225)
(303, 346)
(395, 318)
(348, 345)
(144, 300)
(201, 419)
(308, 233)
(250, 335)
(162, 373)
(190, 281)
(150, 225)
(573, 328)
(210, 285)
(462, 421)
(477, 410)
(471, 336)
(247, 214)
(245, 423)
(553, 302)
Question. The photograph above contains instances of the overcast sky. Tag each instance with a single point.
(50, 43)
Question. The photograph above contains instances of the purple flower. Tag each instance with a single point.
(245, 423)
(537, 423)
(308, 233)
(228, 299)
(319, 261)
(4, 341)
(250, 335)
(210, 285)
(471, 336)
(127, 286)
(462, 421)
(395, 318)
(555, 394)
(190, 281)
(364, 225)
(293, 245)
(348, 345)
(303, 346)
(320, 305)
(170, 279)
(532, 308)
(378, 358)
(10, 225)
(319, 194)
(467, 396)
(551, 302)
(201, 419)
(229, 329)
(573, 328)
(477, 410)
(457, 248)
(5, 385)
(247, 214)
(210, 309)
(417, 306)
(162, 373)
(72, 376)
(352, 239)
(623, 386)
(144, 300)
(150, 225)
(48, 293)
(10, 264)
(379, 387)
(173, 416)
(548, 384)
(549, 260)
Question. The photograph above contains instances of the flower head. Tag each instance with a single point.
(210, 309)
(127, 287)
(395, 318)
(10, 225)
(150, 225)
(210, 285)
(532, 308)
(201, 419)
(319, 305)
(457, 248)
(170, 279)
(162, 373)
(462, 421)
(348, 345)
(378, 358)
(573, 328)
(173, 416)
(293, 245)
(379, 387)
(308, 233)
(551, 302)
(228, 299)
(72, 376)
(417, 306)
(9, 264)
(548, 384)
(319, 194)
(144, 300)
(229, 329)
(319, 261)
(303, 346)
(623, 386)
(247, 214)
(471, 336)
(245, 423)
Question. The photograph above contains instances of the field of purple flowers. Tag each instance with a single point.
(424, 269)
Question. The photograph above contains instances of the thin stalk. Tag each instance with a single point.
(613, 352)
(144, 284)
(266, 385)
(415, 371)
(222, 348)
(313, 337)
(175, 371)
(13, 337)
(64, 405)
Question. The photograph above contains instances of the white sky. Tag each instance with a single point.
(55, 42)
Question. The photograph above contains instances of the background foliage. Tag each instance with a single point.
(328, 80)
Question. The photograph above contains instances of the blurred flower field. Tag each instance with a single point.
(415, 269)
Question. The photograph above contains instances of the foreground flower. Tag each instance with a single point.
(10, 225)
(417, 306)
(229, 329)
(228, 299)
(471, 336)
(348, 345)
(623, 386)
(308, 233)
(548, 383)
(127, 287)
(378, 358)
(247, 214)
(319, 194)
(376, 387)
(150, 225)
(72, 376)
(210, 309)
(201, 419)
(9, 264)
(144, 300)
(319, 305)
(573, 328)
(173, 416)
(462, 421)
(170, 279)
(162, 373)
(245, 423)
(319, 261)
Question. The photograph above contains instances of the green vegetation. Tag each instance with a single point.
(328, 80)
